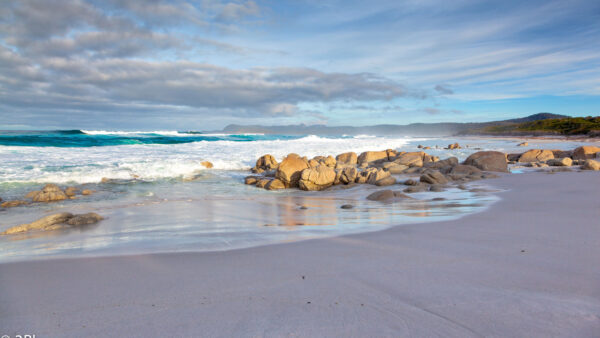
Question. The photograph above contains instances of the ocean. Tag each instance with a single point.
(162, 199)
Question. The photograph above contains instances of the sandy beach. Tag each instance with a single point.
(524, 267)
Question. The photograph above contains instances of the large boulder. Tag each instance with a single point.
(397, 169)
(347, 158)
(50, 193)
(536, 155)
(444, 165)
(348, 175)
(385, 181)
(591, 165)
(463, 169)
(585, 152)
(488, 161)
(375, 175)
(317, 178)
(433, 177)
(415, 159)
(290, 169)
(275, 184)
(372, 156)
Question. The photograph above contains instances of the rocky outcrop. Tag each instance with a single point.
(433, 177)
(536, 155)
(290, 169)
(50, 193)
(317, 178)
(591, 165)
(387, 195)
(560, 162)
(488, 161)
(55, 221)
(585, 152)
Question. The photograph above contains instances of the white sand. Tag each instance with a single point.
(460, 278)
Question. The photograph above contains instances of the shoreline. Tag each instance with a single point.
(465, 277)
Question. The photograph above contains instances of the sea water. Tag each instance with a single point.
(162, 199)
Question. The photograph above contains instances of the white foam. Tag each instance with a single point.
(157, 161)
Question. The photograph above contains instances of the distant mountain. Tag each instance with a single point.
(414, 129)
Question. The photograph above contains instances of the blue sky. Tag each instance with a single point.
(201, 65)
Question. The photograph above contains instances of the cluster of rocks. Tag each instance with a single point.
(584, 156)
(49, 193)
(371, 167)
(56, 221)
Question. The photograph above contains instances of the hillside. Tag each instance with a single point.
(555, 126)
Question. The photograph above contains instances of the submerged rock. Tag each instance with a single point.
(84, 219)
(11, 204)
(386, 195)
(55, 221)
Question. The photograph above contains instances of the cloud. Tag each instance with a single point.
(443, 89)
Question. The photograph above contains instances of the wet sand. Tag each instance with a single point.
(527, 266)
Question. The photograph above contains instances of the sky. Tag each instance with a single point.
(200, 65)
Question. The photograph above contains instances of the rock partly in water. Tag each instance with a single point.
(536, 155)
(385, 181)
(585, 152)
(290, 169)
(84, 219)
(87, 192)
(275, 184)
(488, 161)
(317, 178)
(207, 164)
(387, 195)
(453, 146)
(71, 191)
(265, 162)
(523, 144)
(374, 175)
(251, 179)
(591, 165)
(347, 206)
(261, 183)
(560, 162)
(433, 177)
(50, 193)
(55, 221)
(15, 203)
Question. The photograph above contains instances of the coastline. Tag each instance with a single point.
(525, 264)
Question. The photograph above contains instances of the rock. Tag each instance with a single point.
(266, 162)
(290, 169)
(488, 161)
(207, 164)
(425, 148)
(372, 156)
(436, 188)
(523, 144)
(385, 181)
(375, 175)
(261, 183)
(86, 192)
(84, 219)
(585, 152)
(330, 161)
(411, 182)
(513, 157)
(397, 169)
(106, 180)
(560, 162)
(412, 159)
(591, 165)
(433, 177)
(561, 153)
(443, 165)
(416, 188)
(347, 158)
(419, 146)
(536, 155)
(50, 193)
(275, 184)
(70, 191)
(348, 175)
(251, 179)
(463, 169)
(313, 163)
(391, 153)
(41, 224)
(347, 206)
(317, 178)
(386, 195)
(453, 146)
(11, 204)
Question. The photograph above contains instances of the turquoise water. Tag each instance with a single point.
(79, 138)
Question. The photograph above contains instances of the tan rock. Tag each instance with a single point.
(560, 162)
(488, 161)
(591, 165)
(266, 162)
(50, 193)
(413, 159)
(313, 163)
(374, 175)
(347, 158)
(330, 161)
(386, 181)
(275, 184)
(87, 192)
(207, 164)
(453, 146)
(463, 169)
(348, 175)
(290, 169)
(536, 155)
(387, 195)
(372, 156)
(317, 178)
(251, 180)
(32, 194)
(70, 191)
(523, 144)
(11, 204)
(40, 224)
(261, 183)
(585, 152)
